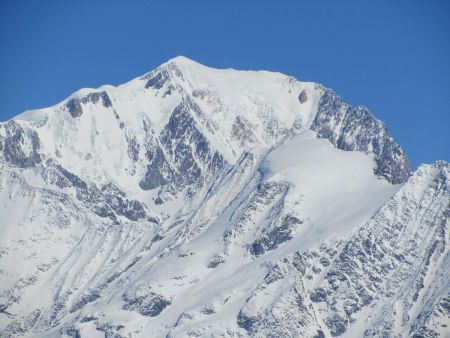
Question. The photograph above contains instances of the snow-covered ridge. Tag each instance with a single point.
(103, 133)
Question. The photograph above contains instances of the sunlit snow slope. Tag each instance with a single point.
(201, 202)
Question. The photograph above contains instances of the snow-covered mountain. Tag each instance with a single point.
(201, 202)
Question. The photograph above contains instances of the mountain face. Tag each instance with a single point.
(201, 202)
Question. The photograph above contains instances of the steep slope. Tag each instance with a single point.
(397, 263)
(194, 202)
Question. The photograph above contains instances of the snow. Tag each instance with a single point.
(335, 193)
(336, 189)
(258, 96)
(35, 115)
(94, 146)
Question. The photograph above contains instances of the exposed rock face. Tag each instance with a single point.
(182, 156)
(243, 131)
(276, 235)
(436, 323)
(147, 303)
(20, 146)
(350, 128)
(158, 78)
(377, 261)
(289, 313)
(348, 278)
(109, 201)
(303, 97)
(75, 108)
(153, 209)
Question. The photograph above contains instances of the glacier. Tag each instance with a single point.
(194, 201)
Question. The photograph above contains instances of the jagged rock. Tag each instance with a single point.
(74, 108)
(146, 302)
(366, 269)
(215, 261)
(275, 236)
(303, 97)
(20, 146)
(352, 129)
(154, 176)
(182, 148)
(86, 299)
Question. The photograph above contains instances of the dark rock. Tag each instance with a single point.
(247, 323)
(177, 158)
(318, 295)
(14, 146)
(352, 129)
(337, 325)
(184, 317)
(425, 333)
(95, 97)
(242, 130)
(86, 299)
(73, 179)
(158, 200)
(71, 331)
(158, 166)
(88, 319)
(106, 100)
(20, 327)
(276, 236)
(110, 330)
(74, 107)
(107, 202)
(133, 148)
(157, 81)
(324, 261)
(59, 308)
(276, 273)
(303, 97)
(160, 76)
(215, 261)
(208, 310)
(116, 199)
(319, 334)
(150, 304)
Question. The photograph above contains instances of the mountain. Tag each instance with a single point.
(194, 201)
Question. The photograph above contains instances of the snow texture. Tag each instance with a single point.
(194, 201)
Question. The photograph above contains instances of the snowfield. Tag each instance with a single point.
(337, 188)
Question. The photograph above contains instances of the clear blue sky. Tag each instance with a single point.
(391, 56)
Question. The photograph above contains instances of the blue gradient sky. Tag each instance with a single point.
(391, 56)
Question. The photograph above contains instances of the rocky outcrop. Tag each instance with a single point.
(108, 201)
(355, 128)
(20, 146)
(145, 301)
(303, 97)
(75, 106)
(181, 156)
(275, 235)
(287, 312)
(375, 263)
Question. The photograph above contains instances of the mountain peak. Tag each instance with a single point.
(266, 197)
(182, 60)
(182, 64)
(233, 110)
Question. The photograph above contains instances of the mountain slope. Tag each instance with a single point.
(194, 202)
